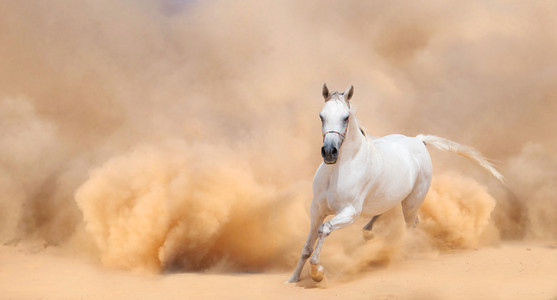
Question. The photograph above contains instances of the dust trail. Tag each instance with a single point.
(179, 206)
(179, 134)
(457, 212)
(534, 182)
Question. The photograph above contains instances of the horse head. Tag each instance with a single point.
(335, 117)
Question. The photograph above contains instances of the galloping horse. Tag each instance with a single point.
(365, 176)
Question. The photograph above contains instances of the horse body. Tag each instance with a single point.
(405, 166)
(398, 160)
(368, 177)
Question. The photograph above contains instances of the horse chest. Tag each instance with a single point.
(345, 187)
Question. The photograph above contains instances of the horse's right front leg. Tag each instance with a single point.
(345, 217)
(316, 220)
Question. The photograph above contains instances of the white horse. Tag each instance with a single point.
(365, 176)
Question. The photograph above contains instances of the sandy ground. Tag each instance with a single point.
(509, 271)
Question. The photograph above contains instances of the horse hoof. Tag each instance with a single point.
(316, 272)
(292, 279)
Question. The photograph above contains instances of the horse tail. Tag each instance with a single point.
(468, 152)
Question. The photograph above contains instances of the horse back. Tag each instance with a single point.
(403, 161)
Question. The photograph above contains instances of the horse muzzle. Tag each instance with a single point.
(329, 154)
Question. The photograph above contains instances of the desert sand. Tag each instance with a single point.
(509, 271)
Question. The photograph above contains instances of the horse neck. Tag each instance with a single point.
(355, 140)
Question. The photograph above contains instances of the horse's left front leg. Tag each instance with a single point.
(346, 217)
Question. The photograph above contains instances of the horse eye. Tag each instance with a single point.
(346, 119)
(321, 117)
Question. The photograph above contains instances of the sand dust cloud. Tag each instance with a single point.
(165, 208)
(183, 135)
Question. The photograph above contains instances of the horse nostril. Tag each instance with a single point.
(323, 151)
(334, 152)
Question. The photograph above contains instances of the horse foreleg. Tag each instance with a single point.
(346, 217)
(316, 220)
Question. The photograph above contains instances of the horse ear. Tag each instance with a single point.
(325, 91)
(349, 92)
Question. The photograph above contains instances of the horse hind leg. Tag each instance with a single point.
(412, 203)
(368, 227)
(411, 218)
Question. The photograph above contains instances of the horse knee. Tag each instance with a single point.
(325, 229)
